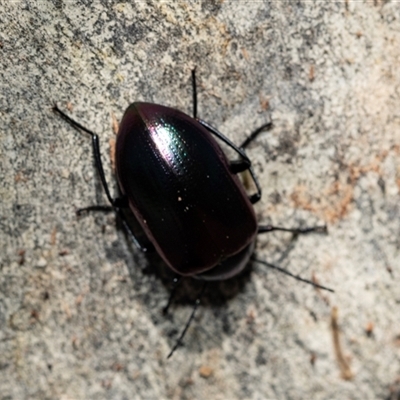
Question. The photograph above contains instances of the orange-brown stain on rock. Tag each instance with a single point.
(335, 201)
(205, 371)
(342, 360)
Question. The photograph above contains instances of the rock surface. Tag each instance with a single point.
(80, 314)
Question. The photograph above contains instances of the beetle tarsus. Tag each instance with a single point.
(81, 211)
(296, 231)
(255, 198)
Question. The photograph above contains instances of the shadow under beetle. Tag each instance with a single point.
(185, 194)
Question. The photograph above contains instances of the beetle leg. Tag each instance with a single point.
(96, 149)
(270, 228)
(175, 284)
(254, 134)
(194, 93)
(128, 229)
(255, 197)
(284, 271)
(81, 211)
(237, 166)
(251, 137)
(196, 304)
(117, 203)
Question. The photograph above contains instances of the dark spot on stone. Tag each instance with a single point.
(261, 358)
(212, 6)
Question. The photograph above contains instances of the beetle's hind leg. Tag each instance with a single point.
(195, 306)
(296, 231)
(297, 277)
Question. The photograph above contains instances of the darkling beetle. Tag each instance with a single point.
(185, 194)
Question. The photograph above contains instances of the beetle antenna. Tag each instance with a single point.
(299, 278)
(175, 284)
(196, 304)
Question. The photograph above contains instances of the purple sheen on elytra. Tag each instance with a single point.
(179, 186)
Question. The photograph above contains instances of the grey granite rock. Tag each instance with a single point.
(79, 310)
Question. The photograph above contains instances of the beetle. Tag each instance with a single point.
(184, 193)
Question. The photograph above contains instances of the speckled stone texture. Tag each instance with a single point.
(80, 306)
